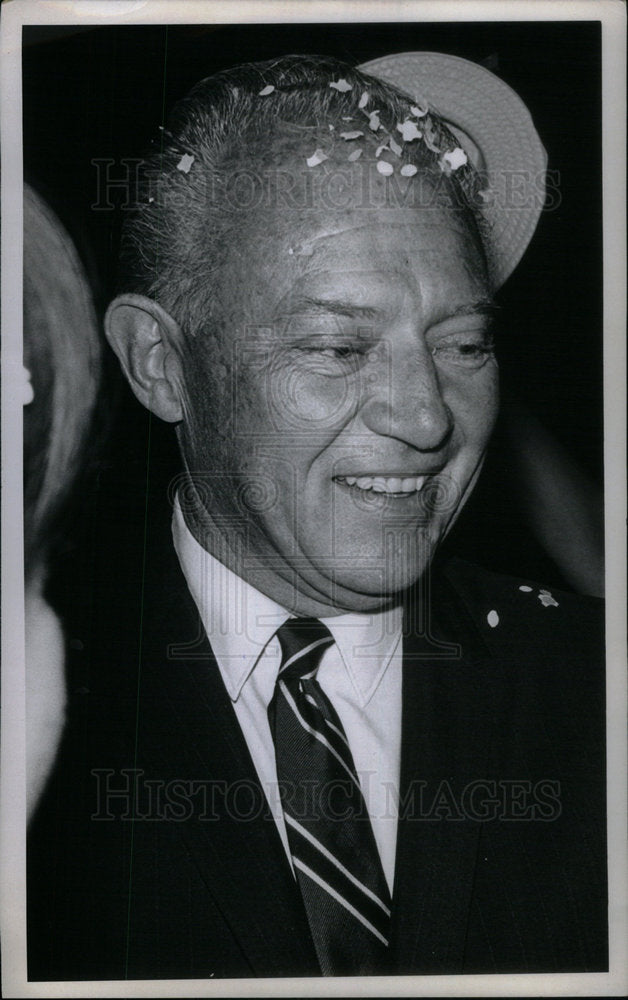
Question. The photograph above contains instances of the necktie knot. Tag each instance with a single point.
(303, 642)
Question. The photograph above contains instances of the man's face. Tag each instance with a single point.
(342, 402)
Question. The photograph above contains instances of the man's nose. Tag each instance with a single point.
(406, 402)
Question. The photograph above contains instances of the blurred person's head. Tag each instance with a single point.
(62, 356)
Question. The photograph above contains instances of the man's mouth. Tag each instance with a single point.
(398, 486)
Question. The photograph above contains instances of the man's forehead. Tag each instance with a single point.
(372, 256)
(299, 241)
(333, 215)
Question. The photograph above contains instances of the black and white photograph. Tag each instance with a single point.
(313, 340)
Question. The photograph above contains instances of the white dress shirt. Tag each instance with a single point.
(360, 674)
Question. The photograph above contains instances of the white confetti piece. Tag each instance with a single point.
(408, 170)
(265, 91)
(317, 157)
(151, 200)
(493, 619)
(364, 99)
(380, 149)
(408, 130)
(185, 163)
(526, 590)
(547, 600)
(374, 122)
(418, 112)
(355, 155)
(384, 168)
(341, 85)
(347, 118)
(351, 135)
(395, 147)
(455, 158)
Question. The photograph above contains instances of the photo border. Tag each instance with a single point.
(612, 15)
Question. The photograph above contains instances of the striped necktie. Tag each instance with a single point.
(331, 840)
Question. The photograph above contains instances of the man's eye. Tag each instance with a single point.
(464, 352)
(344, 352)
(338, 352)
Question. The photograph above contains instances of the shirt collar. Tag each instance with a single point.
(366, 643)
(240, 621)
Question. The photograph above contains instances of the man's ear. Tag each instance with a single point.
(148, 342)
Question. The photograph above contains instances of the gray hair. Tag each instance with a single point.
(184, 217)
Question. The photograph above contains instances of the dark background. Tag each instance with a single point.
(102, 93)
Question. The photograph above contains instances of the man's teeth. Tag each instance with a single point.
(385, 484)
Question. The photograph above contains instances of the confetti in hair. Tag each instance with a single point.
(341, 85)
(408, 130)
(455, 158)
(185, 163)
(235, 114)
(318, 156)
(547, 599)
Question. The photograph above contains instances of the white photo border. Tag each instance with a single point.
(612, 15)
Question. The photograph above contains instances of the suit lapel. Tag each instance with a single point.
(445, 736)
(189, 731)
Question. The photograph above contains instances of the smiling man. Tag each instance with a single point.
(312, 751)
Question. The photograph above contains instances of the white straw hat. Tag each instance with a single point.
(496, 131)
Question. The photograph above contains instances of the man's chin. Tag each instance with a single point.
(369, 588)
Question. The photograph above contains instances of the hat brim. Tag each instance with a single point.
(480, 106)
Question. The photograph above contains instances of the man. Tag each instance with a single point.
(305, 747)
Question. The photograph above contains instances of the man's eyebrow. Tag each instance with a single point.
(483, 307)
(337, 307)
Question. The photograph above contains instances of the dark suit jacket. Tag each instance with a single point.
(501, 863)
